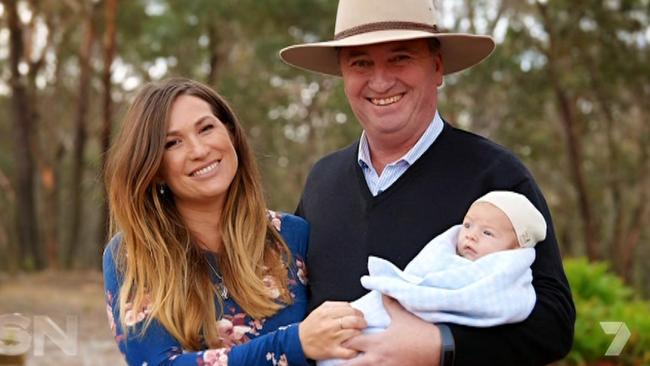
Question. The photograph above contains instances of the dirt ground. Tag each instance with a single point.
(58, 295)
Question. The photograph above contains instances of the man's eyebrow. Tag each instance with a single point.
(356, 53)
(198, 122)
(401, 48)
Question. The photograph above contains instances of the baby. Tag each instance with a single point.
(476, 274)
(500, 220)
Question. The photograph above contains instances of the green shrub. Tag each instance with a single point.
(600, 296)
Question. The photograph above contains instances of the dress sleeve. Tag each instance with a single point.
(156, 346)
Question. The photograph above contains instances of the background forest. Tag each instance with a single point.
(567, 89)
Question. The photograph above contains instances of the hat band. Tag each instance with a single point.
(380, 26)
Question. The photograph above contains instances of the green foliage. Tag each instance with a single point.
(601, 296)
(599, 54)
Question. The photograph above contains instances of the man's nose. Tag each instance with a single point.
(381, 79)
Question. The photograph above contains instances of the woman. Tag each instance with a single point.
(200, 272)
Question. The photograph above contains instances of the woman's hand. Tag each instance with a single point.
(329, 325)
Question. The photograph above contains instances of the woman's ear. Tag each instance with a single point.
(161, 187)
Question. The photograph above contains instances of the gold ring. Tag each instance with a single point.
(341, 323)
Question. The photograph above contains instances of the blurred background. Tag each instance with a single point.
(567, 89)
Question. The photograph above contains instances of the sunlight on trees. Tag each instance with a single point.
(566, 90)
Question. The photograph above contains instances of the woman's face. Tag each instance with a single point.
(200, 161)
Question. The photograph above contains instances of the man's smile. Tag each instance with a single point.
(386, 101)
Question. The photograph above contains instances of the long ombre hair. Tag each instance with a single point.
(164, 269)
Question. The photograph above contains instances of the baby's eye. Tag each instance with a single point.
(487, 233)
(466, 225)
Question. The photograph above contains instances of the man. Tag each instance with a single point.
(409, 177)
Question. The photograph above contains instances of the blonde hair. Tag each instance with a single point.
(164, 270)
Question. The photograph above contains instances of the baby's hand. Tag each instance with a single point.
(329, 325)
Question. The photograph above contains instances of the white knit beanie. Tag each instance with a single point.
(528, 222)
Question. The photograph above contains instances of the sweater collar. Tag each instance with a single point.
(424, 142)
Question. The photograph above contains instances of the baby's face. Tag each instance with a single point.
(486, 229)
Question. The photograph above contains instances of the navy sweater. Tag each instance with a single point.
(348, 224)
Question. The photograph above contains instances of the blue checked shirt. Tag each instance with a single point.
(394, 170)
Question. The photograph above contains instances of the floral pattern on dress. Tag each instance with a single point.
(302, 270)
(271, 287)
(214, 357)
(174, 352)
(276, 220)
(232, 330)
(111, 319)
(256, 326)
(282, 361)
(133, 317)
(109, 312)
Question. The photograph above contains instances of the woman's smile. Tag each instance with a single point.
(206, 171)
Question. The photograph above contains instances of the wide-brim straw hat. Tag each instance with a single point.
(365, 22)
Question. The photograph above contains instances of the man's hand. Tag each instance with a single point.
(408, 340)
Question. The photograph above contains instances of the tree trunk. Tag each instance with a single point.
(639, 221)
(573, 141)
(6, 244)
(110, 11)
(50, 192)
(213, 49)
(613, 161)
(25, 201)
(574, 147)
(44, 162)
(80, 138)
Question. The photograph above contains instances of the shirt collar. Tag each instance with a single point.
(423, 143)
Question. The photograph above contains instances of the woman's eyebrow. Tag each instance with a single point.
(198, 121)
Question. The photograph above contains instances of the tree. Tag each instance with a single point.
(109, 47)
(85, 51)
(23, 124)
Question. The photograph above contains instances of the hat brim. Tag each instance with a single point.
(459, 50)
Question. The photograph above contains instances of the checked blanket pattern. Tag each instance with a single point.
(440, 286)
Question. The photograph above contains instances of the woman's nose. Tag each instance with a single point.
(197, 148)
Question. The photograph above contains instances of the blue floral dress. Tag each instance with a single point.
(247, 341)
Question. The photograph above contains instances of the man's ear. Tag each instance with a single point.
(439, 68)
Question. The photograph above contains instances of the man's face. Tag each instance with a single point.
(392, 87)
